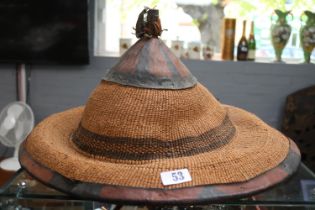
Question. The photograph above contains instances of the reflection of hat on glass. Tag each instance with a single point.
(150, 133)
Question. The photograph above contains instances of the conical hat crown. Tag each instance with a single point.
(150, 64)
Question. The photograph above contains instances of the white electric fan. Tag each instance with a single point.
(16, 122)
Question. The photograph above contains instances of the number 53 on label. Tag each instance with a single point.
(175, 177)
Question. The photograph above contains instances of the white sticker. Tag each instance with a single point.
(175, 177)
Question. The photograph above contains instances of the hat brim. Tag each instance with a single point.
(193, 195)
(64, 159)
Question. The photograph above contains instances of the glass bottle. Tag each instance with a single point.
(242, 47)
(251, 44)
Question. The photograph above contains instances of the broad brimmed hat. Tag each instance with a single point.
(151, 134)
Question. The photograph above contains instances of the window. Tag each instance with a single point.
(115, 20)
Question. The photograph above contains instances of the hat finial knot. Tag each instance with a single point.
(148, 24)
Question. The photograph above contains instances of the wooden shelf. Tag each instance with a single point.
(5, 176)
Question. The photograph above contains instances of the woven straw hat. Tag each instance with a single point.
(150, 133)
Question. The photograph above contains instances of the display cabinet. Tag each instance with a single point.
(23, 192)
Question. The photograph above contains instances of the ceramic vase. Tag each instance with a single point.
(280, 33)
(307, 34)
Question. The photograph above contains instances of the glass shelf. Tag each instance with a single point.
(297, 191)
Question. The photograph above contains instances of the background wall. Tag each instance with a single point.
(257, 87)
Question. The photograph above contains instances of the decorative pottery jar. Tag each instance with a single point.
(307, 34)
(280, 32)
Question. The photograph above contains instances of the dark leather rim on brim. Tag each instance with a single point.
(191, 195)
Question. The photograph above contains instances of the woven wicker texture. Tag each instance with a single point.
(159, 123)
(129, 114)
(116, 110)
